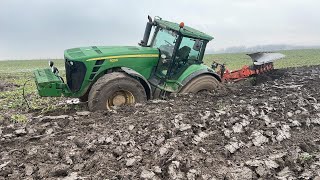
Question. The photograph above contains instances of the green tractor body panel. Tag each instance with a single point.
(93, 53)
(140, 59)
(191, 72)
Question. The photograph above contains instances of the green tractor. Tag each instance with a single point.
(107, 76)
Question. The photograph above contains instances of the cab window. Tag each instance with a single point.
(165, 41)
(190, 49)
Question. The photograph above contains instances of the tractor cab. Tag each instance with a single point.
(179, 46)
(177, 53)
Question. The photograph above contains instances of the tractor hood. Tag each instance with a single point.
(109, 52)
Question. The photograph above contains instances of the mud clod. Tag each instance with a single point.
(145, 174)
(60, 171)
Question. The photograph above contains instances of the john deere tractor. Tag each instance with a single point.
(167, 60)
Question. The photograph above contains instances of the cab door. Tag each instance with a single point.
(166, 41)
(190, 51)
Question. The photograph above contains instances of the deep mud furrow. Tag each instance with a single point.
(267, 131)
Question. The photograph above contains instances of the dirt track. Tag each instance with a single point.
(268, 131)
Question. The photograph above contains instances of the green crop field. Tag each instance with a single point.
(16, 78)
(294, 58)
(20, 66)
(14, 74)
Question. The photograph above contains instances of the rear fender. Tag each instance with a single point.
(142, 80)
(197, 70)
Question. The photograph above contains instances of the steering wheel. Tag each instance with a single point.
(168, 42)
(168, 49)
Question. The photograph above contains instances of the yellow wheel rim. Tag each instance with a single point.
(120, 98)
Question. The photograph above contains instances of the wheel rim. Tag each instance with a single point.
(120, 98)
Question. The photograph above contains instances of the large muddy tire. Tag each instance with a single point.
(115, 89)
(201, 83)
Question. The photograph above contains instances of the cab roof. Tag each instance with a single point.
(186, 30)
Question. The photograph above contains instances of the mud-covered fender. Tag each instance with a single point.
(196, 70)
(142, 80)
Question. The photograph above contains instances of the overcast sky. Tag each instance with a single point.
(31, 29)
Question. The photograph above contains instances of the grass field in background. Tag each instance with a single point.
(294, 58)
(19, 66)
(18, 72)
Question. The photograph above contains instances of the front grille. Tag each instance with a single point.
(75, 73)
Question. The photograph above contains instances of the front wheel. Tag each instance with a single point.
(201, 83)
(115, 89)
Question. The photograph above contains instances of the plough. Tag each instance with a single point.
(262, 63)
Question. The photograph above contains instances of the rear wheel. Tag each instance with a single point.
(115, 89)
(201, 83)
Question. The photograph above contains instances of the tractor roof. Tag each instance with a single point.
(186, 31)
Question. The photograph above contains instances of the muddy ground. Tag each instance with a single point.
(5, 86)
(267, 131)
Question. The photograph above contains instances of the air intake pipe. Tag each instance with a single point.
(144, 41)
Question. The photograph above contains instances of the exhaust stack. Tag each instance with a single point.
(144, 41)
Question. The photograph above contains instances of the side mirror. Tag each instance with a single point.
(197, 45)
(53, 69)
(51, 64)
